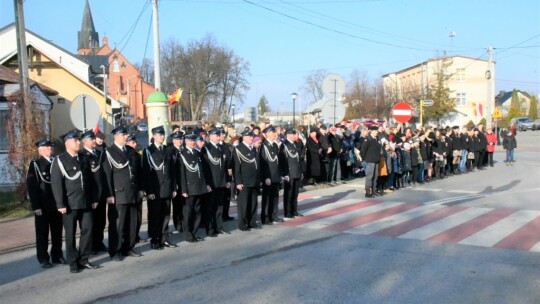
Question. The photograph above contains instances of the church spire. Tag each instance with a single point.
(88, 37)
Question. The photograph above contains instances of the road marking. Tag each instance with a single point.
(444, 224)
(523, 238)
(493, 234)
(399, 218)
(426, 189)
(329, 210)
(464, 191)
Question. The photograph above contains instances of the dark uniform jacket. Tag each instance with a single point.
(122, 170)
(482, 141)
(323, 142)
(371, 150)
(313, 157)
(216, 163)
(70, 192)
(38, 182)
(95, 162)
(157, 172)
(269, 160)
(465, 141)
(192, 174)
(246, 166)
(289, 161)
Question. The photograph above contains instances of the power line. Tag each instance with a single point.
(133, 27)
(502, 50)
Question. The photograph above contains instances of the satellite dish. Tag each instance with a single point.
(84, 112)
(333, 112)
(333, 85)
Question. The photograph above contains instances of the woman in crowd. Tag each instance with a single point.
(491, 138)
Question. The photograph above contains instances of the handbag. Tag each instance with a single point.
(470, 155)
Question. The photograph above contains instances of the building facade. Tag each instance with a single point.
(467, 82)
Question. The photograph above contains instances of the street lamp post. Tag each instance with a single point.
(232, 108)
(293, 96)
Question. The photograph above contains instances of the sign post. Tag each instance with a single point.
(424, 103)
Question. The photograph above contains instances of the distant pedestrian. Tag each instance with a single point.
(509, 145)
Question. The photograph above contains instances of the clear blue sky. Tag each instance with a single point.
(286, 40)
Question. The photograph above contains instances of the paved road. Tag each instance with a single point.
(468, 239)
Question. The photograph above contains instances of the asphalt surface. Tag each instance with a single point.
(344, 250)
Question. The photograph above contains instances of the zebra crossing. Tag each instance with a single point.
(456, 224)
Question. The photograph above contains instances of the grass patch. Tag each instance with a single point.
(13, 205)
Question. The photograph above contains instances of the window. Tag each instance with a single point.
(461, 99)
(3, 130)
(61, 100)
(460, 74)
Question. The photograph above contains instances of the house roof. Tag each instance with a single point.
(503, 96)
(7, 75)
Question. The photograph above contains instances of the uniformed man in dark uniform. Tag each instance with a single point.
(94, 159)
(271, 177)
(291, 170)
(132, 142)
(248, 180)
(74, 192)
(122, 177)
(193, 187)
(216, 165)
(158, 183)
(227, 149)
(47, 217)
(178, 202)
(371, 152)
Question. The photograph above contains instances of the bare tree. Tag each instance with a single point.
(146, 68)
(313, 85)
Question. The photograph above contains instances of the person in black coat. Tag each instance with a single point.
(326, 149)
(216, 162)
(291, 170)
(482, 147)
(193, 187)
(73, 188)
(159, 186)
(313, 156)
(94, 159)
(47, 217)
(227, 149)
(178, 202)
(371, 152)
(132, 142)
(247, 177)
(271, 177)
(335, 144)
(121, 171)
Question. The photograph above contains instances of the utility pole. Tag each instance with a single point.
(489, 78)
(155, 24)
(22, 53)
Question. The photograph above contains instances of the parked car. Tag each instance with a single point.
(523, 123)
(142, 127)
(537, 124)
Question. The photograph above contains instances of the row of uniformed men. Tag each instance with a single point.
(189, 175)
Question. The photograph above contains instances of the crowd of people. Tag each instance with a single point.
(195, 173)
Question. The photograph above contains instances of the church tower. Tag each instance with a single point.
(88, 37)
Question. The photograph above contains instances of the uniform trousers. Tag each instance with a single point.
(247, 207)
(71, 219)
(215, 202)
(49, 220)
(178, 203)
(290, 197)
(159, 213)
(98, 227)
(122, 227)
(139, 217)
(270, 199)
(192, 211)
(227, 203)
(372, 173)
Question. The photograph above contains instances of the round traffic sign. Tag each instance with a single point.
(402, 112)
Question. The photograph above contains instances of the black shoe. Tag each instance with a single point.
(88, 266)
(277, 219)
(289, 216)
(267, 223)
(74, 269)
(213, 235)
(192, 240)
(132, 253)
(59, 261)
(199, 239)
(230, 218)
(46, 264)
(169, 245)
(117, 257)
(156, 246)
(298, 214)
(223, 232)
(94, 252)
(244, 229)
(255, 227)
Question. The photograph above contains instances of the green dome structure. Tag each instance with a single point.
(156, 97)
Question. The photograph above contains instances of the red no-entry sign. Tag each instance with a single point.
(402, 112)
